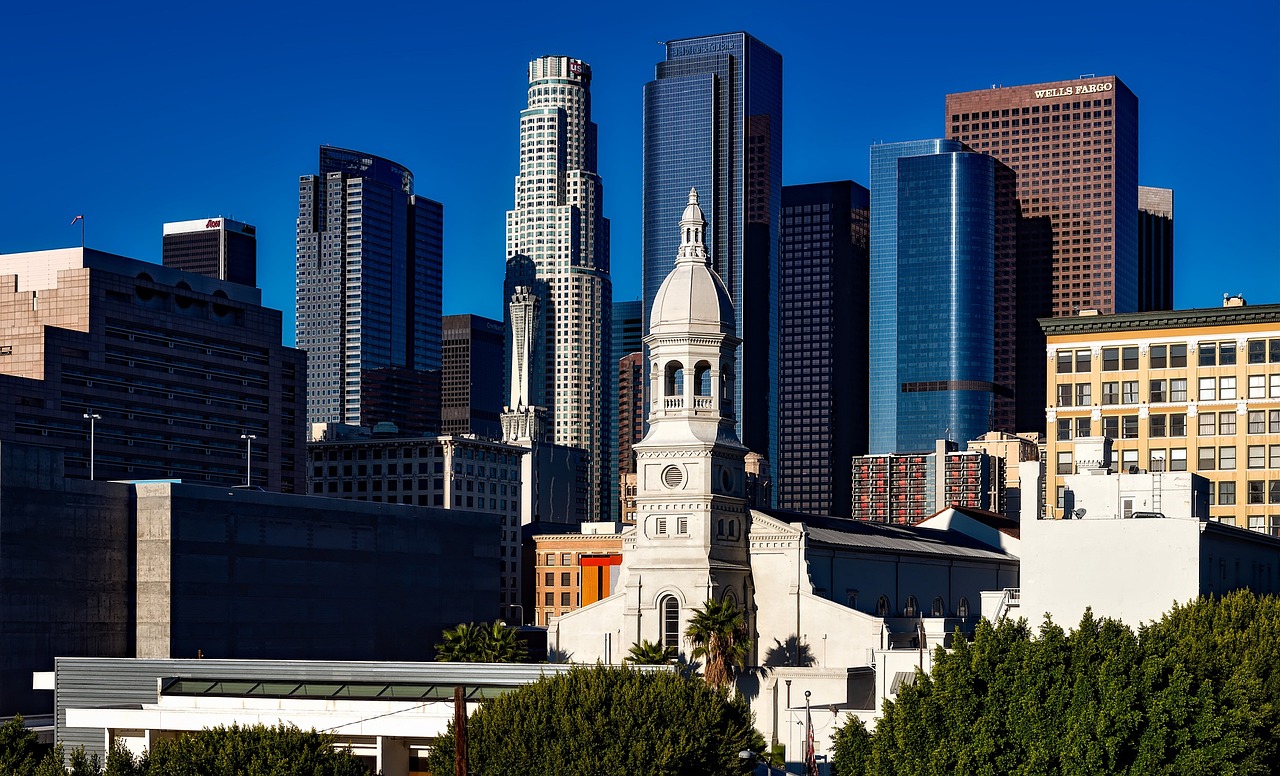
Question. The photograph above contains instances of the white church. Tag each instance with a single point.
(840, 611)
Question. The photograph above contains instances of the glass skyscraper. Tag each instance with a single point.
(713, 121)
(369, 269)
(952, 304)
(883, 345)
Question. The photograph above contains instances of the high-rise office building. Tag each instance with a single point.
(631, 404)
(557, 233)
(713, 121)
(822, 397)
(214, 247)
(628, 328)
(948, 371)
(369, 264)
(1074, 147)
(628, 338)
(140, 371)
(1155, 249)
(471, 381)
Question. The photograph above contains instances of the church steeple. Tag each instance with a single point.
(693, 228)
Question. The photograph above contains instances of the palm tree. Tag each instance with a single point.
(502, 646)
(649, 653)
(483, 643)
(718, 633)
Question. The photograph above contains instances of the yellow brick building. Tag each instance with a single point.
(1185, 390)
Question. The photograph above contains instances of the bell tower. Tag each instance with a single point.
(691, 515)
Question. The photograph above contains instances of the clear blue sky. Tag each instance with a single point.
(136, 114)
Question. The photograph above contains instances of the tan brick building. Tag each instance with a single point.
(573, 570)
(1189, 390)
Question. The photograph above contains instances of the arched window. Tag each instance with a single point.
(733, 529)
(675, 379)
(910, 608)
(962, 609)
(670, 609)
(882, 606)
(702, 378)
(938, 607)
(720, 527)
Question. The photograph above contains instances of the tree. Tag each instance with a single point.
(1193, 693)
(483, 643)
(606, 720)
(282, 750)
(20, 749)
(649, 653)
(718, 632)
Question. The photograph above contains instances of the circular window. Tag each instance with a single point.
(672, 477)
(726, 480)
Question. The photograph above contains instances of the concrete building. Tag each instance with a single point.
(1132, 545)
(1187, 390)
(822, 398)
(820, 595)
(167, 569)
(214, 247)
(574, 568)
(558, 230)
(907, 488)
(471, 383)
(1155, 249)
(466, 473)
(369, 271)
(1074, 147)
(387, 713)
(1013, 449)
(713, 121)
(156, 372)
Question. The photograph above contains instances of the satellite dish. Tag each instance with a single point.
(1080, 513)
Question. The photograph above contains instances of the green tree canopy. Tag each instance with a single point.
(483, 643)
(1197, 692)
(650, 653)
(606, 721)
(718, 632)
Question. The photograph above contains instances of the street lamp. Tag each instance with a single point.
(248, 458)
(93, 419)
(747, 754)
(521, 608)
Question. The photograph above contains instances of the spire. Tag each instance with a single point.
(693, 227)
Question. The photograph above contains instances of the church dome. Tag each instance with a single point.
(692, 291)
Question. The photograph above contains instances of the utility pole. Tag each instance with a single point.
(460, 730)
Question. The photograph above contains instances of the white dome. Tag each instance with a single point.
(692, 292)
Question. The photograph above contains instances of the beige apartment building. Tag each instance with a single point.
(1187, 390)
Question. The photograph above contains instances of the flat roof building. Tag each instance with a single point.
(175, 368)
(214, 247)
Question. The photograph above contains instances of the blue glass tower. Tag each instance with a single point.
(713, 121)
(882, 432)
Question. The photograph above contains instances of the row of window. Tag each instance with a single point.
(1175, 459)
(1257, 351)
(1169, 391)
(1171, 425)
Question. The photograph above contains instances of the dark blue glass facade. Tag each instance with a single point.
(713, 120)
(946, 246)
(882, 432)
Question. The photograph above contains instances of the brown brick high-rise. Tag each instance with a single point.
(1074, 147)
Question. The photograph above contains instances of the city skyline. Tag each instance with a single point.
(95, 103)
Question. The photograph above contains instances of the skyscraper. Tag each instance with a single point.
(558, 233)
(1155, 249)
(1074, 147)
(822, 397)
(471, 381)
(952, 371)
(628, 339)
(214, 247)
(713, 120)
(369, 264)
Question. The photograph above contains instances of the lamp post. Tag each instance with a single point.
(747, 754)
(93, 419)
(521, 608)
(248, 458)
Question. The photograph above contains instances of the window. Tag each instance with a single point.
(1257, 456)
(1158, 461)
(1227, 458)
(962, 608)
(566, 599)
(1110, 359)
(1129, 427)
(938, 606)
(1064, 462)
(1064, 395)
(1064, 429)
(1273, 457)
(551, 559)
(566, 579)
(670, 609)
(1263, 351)
(1273, 492)
(1129, 392)
(566, 559)
(1178, 424)
(1159, 356)
(1226, 493)
(1082, 427)
(1217, 353)
(1208, 389)
(1084, 394)
(1178, 389)
(1227, 423)
(1208, 423)
(1157, 426)
(1159, 391)
(1227, 388)
(549, 599)
(1206, 460)
(1065, 361)
(1111, 393)
(1257, 491)
(1129, 357)
(1129, 460)
(1082, 361)
(882, 607)
(1178, 459)
(549, 578)
(1111, 426)
(1273, 421)
(1178, 355)
(910, 608)
(1257, 386)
